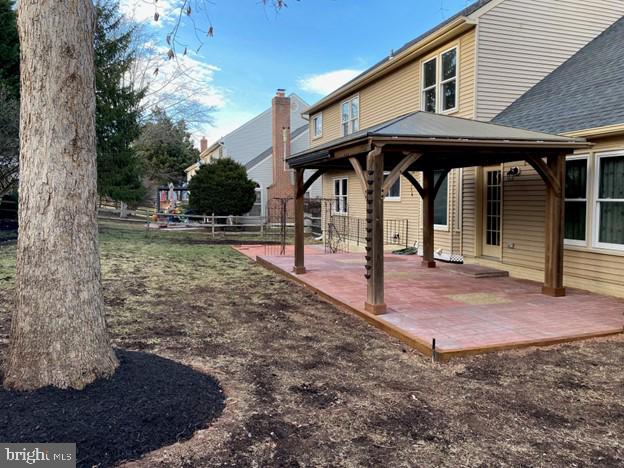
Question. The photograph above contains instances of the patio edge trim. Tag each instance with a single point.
(442, 354)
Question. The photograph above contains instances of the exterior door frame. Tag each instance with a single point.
(482, 249)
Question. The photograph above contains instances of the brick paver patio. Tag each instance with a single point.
(463, 313)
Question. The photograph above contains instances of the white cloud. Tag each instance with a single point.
(325, 83)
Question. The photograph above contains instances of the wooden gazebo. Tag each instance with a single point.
(428, 142)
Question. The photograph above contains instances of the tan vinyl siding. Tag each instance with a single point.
(399, 92)
(587, 268)
(522, 41)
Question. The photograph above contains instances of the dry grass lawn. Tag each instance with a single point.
(309, 385)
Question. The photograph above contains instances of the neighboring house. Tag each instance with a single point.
(473, 65)
(253, 144)
(584, 97)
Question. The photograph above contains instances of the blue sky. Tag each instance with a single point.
(309, 48)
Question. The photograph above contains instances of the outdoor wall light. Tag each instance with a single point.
(513, 172)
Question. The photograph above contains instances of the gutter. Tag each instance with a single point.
(435, 39)
(608, 130)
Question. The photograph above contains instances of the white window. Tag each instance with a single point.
(394, 194)
(439, 84)
(350, 116)
(576, 201)
(609, 201)
(440, 204)
(341, 187)
(317, 125)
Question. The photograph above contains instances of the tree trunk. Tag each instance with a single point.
(58, 333)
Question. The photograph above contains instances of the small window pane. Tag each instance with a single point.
(576, 179)
(611, 223)
(318, 125)
(355, 124)
(355, 108)
(449, 91)
(612, 177)
(430, 100)
(345, 128)
(575, 216)
(440, 204)
(449, 64)
(344, 186)
(429, 71)
(395, 190)
(345, 112)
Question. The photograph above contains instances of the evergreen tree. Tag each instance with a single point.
(223, 188)
(165, 149)
(9, 48)
(118, 108)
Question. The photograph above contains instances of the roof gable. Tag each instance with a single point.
(586, 91)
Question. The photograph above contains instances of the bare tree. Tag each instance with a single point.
(58, 333)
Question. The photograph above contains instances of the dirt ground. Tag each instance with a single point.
(310, 385)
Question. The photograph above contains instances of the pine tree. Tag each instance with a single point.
(118, 107)
(9, 48)
(165, 148)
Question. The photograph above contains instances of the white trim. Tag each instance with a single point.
(313, 119)
(341, 195)
(444, 227)
(439, 83)
(576, 242)
(350, 118)
(596, 201)
(392, 198)
(443, 82)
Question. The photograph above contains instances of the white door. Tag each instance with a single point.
(492, 197)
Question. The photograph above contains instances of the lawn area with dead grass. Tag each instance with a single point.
(310, 385)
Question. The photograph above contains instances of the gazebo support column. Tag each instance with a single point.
(555, 209)
(428, 232)
(299, 267)
(375, 303)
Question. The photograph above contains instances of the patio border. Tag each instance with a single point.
(441, 354)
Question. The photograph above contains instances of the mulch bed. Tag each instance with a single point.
(149, 403)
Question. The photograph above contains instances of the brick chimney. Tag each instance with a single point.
(282, 185)
(203, 144)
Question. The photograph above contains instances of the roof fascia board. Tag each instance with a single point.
(485, 143)
(608, 130)
(474, 16)
(435, 39)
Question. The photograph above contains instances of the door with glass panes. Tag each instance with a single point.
(492, 193)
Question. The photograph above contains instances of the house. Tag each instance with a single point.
(261, 145)
(469, 68)
(584, 97)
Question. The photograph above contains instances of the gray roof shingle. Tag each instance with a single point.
(587, 91)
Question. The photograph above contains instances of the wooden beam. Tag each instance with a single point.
(359, 173)
(308, 183)
(545, 173)
(412, 180)
(299, 267)
(428, 220)
(555, 210)
(374, 233)
(439, 182)
(399, 169)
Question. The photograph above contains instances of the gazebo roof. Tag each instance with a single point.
(456, 141)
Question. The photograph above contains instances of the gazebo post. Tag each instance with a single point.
(375, 303)
(428, 221)
(299, 190)
(554, 233)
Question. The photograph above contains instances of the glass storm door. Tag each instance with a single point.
(492, 211)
